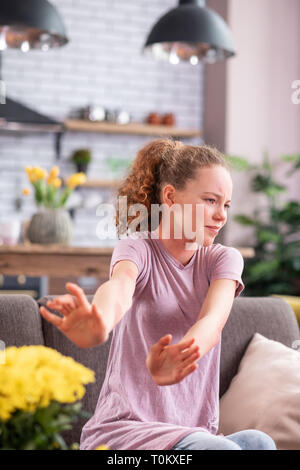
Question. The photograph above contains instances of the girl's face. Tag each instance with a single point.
(213, 189)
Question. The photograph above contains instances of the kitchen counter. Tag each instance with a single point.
(60, 261)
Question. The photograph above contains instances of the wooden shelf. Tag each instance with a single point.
(94, 183)
(97, 183)
(77, 125)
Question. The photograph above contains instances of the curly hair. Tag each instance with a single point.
(161, 162)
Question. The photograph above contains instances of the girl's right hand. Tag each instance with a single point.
(169, 364)
(81, 321)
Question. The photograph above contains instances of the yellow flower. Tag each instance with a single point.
(26, 192)
(76, 179)
(54, 172)
(102, 447)
(56, 182)
(34, 376)
(36, 173)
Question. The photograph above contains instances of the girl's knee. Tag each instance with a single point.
(257, 440)
(221, 443)
(206, 441)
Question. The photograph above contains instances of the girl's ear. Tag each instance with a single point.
(168, 195)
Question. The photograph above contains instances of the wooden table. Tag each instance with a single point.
(61, 261)
(54, 260)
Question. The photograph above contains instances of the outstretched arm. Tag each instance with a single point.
(86, 324)
(213, 315)
(169, 364)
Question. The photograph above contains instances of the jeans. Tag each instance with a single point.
(250, 439)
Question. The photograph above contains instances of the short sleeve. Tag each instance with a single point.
(133, 250)
(227, 263)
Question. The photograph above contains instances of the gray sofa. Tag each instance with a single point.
(22, 324)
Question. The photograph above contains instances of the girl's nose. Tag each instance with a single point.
(220, 213)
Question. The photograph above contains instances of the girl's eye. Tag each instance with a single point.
(226, 205)
(210, 200)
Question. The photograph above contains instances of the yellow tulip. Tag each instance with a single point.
(30, 173)
(26, 192)
(76, 180)
(54, 172)
(56, 182)
(41, 173)
(36, 173)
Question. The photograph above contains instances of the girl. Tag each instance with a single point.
(163, 289)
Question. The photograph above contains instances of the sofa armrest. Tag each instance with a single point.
(20, 320)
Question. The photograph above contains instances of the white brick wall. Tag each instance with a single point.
(102, 64)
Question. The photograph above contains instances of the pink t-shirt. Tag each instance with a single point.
(132, 411)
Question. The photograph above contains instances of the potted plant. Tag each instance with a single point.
(81, 159)
(52, 222)
(275, 268)
(40, 393)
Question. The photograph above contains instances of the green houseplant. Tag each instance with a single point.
(81, 159)
(275, 268)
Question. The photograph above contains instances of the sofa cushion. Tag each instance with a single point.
(20, 321)
(265, 393)
(271, 317)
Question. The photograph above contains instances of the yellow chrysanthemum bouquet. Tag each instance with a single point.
(48, 188)
(40, 392)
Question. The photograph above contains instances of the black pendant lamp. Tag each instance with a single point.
(30, 24)
(191, 32)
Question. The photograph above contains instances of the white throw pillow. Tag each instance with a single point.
(265, 393)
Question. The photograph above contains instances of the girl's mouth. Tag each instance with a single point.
(213, 229)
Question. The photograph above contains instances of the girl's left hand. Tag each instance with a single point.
(171, 364)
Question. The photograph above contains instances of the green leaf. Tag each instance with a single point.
(262, 183)
(64, 197)
(295, 158)
(39, 192)
(245, 220)
(239, 163)
(39, 429)
(268, 236)
(275, 189)
(264, 268)
(290, 213)
(266, 163)
(60, 441)
(50, 196)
